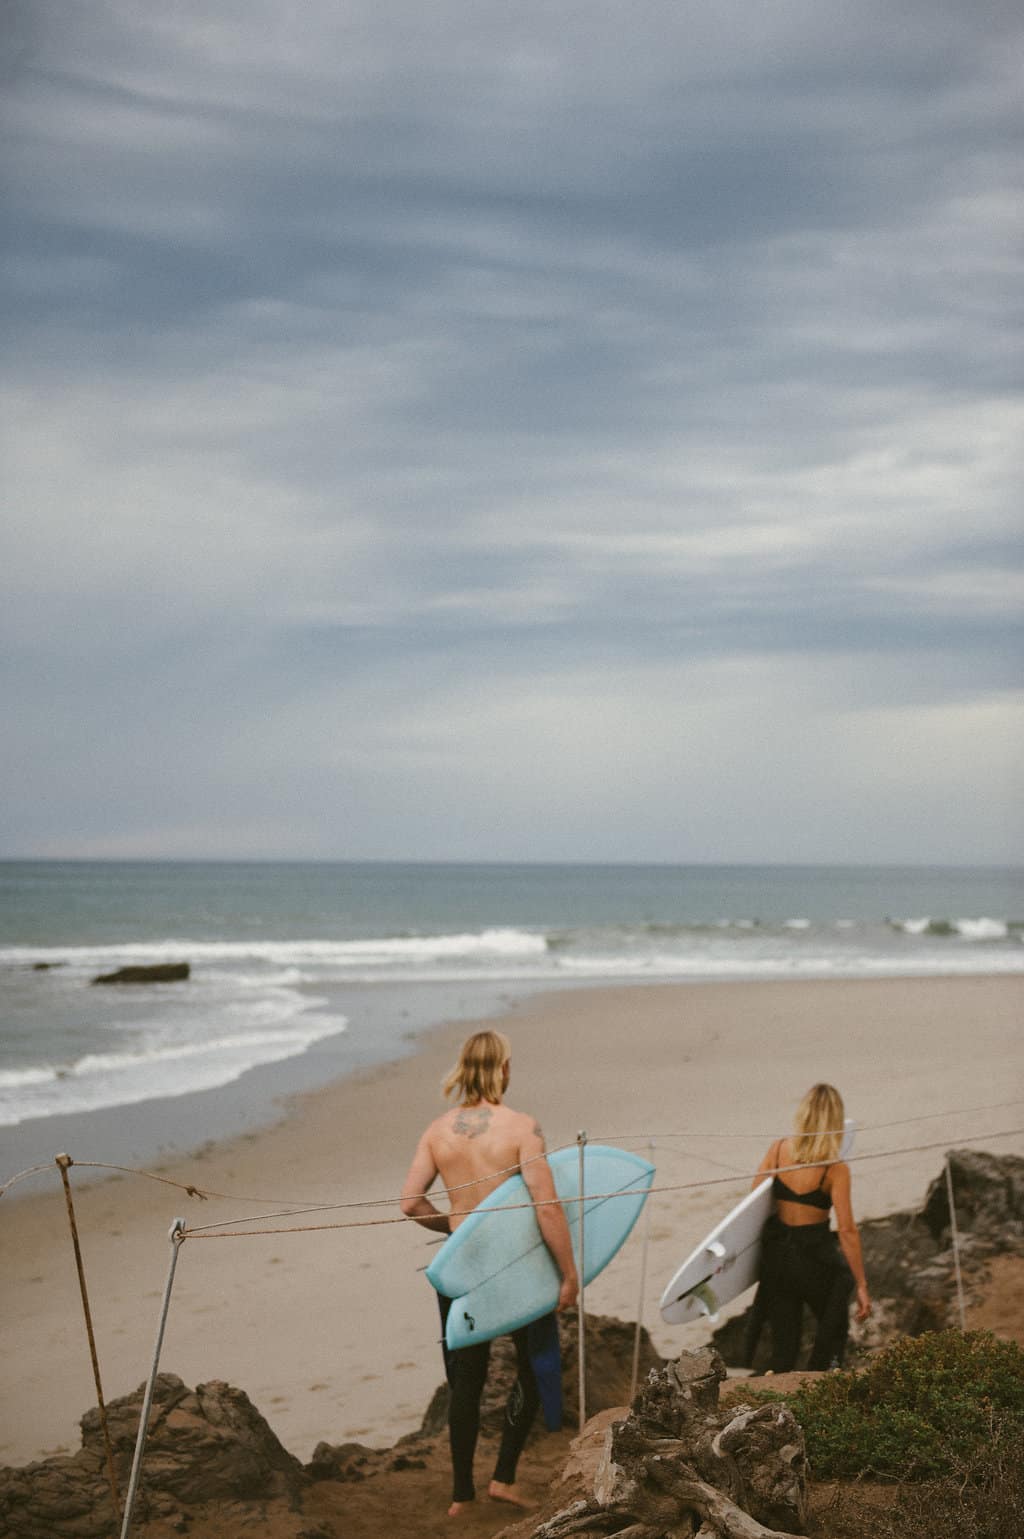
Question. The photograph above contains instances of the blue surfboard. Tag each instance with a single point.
(496, 1267)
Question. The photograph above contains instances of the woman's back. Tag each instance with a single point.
(802, 1194)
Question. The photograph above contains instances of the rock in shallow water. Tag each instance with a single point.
(157, 972)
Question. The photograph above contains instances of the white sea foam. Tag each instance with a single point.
(251, 1043)
(99, 1080)
(266, 977)
(983, 929)
(283, 978)
(251, 1002)
(16, 1079)
(497, 942)
(821, 966)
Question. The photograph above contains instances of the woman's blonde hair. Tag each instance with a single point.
(818, 1126)
(479, 1074)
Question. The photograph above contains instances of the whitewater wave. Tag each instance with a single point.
(15, 1079)
(99, 1080)
(258, 1043)
(743, 947)
(982, 929)
(496, 943)
(302, 961)
(817, 965)
(254, 1002)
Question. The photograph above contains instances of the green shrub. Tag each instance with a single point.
(929, 1406)
(988, 1505)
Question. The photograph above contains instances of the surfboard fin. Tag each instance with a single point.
(708, 1303)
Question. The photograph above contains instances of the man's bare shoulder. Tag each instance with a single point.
(526, 1125)
(441, 1124)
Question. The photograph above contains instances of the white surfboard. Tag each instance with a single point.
(727, 1261)
(497, 1269)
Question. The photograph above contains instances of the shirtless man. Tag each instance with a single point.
(473, 1148)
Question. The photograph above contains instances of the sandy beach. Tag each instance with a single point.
(332, 1332)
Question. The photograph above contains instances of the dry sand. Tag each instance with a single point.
(333, 1332)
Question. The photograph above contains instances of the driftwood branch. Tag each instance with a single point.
(719, 1515)
(581, 1517)
(680, 1468)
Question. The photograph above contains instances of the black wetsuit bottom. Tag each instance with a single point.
(466, 1372)
(802, 1264)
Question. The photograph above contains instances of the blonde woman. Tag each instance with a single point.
(803, 1260)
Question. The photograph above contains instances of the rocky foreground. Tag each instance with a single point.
(684, 1457)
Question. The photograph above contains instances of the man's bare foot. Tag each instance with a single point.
(498, 1491)
(457, 1507)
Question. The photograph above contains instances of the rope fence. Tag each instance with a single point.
(193, 1189)
(214, 1232)
(181, 1233)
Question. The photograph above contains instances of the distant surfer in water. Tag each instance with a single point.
(803, 1260)
(475, 1146)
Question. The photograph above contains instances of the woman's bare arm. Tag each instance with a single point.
(768, 1166)
(849, 1236)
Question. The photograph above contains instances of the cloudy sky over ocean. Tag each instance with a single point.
(512, 430)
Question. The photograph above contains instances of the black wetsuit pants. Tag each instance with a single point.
(466, 1371)
(802, 1264)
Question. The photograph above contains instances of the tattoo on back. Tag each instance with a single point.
(472, 1120)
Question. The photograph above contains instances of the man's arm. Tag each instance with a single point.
(554, 1228)
(422, 1175)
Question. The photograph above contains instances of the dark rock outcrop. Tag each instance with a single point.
(988, 1199)
(209, 1444)
(157, 972)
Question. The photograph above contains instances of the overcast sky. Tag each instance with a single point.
(512, 430)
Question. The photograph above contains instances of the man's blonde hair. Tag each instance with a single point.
(818, 1126)
(479, 1074)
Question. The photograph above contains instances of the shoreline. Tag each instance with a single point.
(332, 1333)
(384, 1024)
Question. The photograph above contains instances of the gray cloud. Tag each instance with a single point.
(436, 408)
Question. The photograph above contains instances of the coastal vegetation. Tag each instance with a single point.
(924, 1406)
(927, 1442)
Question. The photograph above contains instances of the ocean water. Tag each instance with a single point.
(284, 956)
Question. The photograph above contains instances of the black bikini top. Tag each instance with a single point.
(817, 1197)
